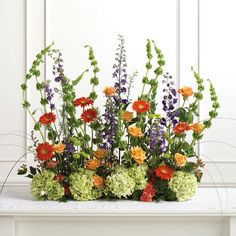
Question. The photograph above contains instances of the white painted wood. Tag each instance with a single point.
(207, 214)
(207, 202)
(88, 226)
(217, 62)
(98, 23)
(80, 21)
(7, 226)
(232, 226)
(35, 40)
(188, 41)
(12, 125)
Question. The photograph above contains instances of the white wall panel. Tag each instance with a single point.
(97, 23)
(217, 62)
(190, 33)
(12, 120)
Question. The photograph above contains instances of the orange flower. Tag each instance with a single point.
(47, 118)
(141, 106)
(138, 154)
(89, 115)
(45, 151)
(83, 102)
(100, 153)
(127, 116)
(180, 160)
(182, 127)
(198, 127)
(186, 91)
(93, 164)
(135, 131)
(164, 172)
(98, 181)
(110, 91)
(59, 148)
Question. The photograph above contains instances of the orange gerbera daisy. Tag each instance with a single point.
(182, 127)
(164, 172)
(89, 115)
(83, 102)
(141, 106)
(47, 118)
(45, 151)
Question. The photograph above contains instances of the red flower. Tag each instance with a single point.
(164, 172)
(44, 151)
(150, 189)
(182, 127)
(146, 198)
(83, 102)
(47, 118)
(89, 115)
(141, 106)
(59, 178)
(148, 193)
(52, 164)
(66, 190)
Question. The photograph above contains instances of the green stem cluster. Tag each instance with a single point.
(94, 80)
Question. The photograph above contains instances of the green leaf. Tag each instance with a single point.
(93, 95)
(29, 176)
(26, 104)
(37, 126)
(23, 86)
(44, 101)
(33, 170)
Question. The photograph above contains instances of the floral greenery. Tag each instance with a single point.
(138, 149)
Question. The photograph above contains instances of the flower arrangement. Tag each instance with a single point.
(141, 149)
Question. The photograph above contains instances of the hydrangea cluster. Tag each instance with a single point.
(139, 174)
(82, 187)
(123, 181)
(44, 186)
(184, 185)
(120, 183)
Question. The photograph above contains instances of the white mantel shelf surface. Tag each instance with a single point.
(212, 210)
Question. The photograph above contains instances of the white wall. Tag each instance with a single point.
(190, 32)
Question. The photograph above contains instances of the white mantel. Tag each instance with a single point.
(206, 215)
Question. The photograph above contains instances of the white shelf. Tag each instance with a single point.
(211, 210)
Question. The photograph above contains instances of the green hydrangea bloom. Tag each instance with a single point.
(82, 187)
(44, 187)
(119, 183)
(139, 174)
(184, 185)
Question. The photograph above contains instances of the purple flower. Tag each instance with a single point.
(70, 147)
(120, 72)
(52, 106)
(157, 138)
(49, 95)
(169, 100)
(58, 79)
(111, 123)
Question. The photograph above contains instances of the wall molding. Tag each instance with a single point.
(36, 17)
